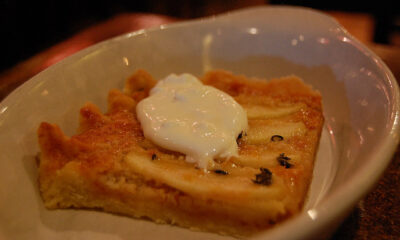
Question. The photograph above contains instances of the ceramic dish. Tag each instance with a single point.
(360, 97)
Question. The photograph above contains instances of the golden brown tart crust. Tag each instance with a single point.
(109, 165)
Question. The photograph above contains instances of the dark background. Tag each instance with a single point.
(28, 27)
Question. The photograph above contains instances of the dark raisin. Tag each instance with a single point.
(239, 136)
(284, 161)
(285, 164)
(263, 178)
(219, 171)
(154, 156)
(276, 138)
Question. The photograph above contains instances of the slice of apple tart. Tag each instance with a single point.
(111, 165)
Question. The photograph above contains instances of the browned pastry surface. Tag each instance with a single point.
(109, 165)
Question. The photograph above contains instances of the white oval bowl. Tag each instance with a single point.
(360, 97)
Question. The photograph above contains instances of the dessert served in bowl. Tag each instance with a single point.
(268, 42)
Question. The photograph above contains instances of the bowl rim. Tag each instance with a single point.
(365, 179)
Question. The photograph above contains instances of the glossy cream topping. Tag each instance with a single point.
(183, 115)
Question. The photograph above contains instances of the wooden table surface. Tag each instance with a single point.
(377, 216)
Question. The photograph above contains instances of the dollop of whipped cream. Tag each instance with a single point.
(183, 115)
